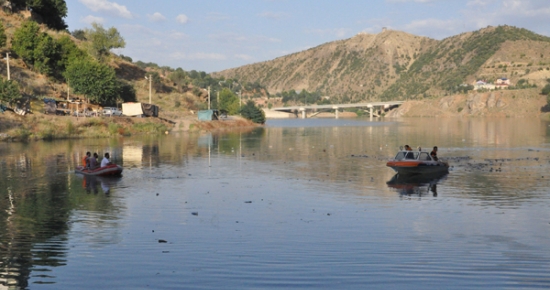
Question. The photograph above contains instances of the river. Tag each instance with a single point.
(298, 204)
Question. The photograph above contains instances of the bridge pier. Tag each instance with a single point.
(303, 110)
(371, 111)
(336, 112)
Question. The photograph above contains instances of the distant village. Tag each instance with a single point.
(501, 83)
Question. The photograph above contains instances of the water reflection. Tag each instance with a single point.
(90, 183)
(290, 173)
(418, 185)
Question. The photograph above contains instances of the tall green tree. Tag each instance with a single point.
(69, 52)
(103, 40)
(52, 12)
(229, 102)
(95, 80)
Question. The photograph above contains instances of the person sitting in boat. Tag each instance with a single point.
(408, 148)
(105, 161)
(86, 160)
(434, 153)
(93, 161)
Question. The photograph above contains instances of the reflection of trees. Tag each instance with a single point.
(35, 210)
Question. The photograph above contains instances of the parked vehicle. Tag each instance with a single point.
(111, 111)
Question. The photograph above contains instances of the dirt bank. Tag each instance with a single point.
(505, 103)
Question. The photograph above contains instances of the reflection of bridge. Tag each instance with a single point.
(336, 107)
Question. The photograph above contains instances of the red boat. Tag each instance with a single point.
(109, 170)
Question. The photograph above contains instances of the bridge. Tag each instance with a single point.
(337, 107)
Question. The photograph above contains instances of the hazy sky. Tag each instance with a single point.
(212, 35)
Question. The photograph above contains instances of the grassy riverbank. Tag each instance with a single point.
(46, 127)
(34, 127)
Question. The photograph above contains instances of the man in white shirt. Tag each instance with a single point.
(105, 161)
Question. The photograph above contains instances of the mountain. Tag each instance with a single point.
(394, 65)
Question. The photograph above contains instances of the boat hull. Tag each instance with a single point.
(418, 167)
(109, 170)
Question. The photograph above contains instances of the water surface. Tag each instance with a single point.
(298, 204)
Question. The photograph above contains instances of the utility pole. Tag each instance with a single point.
(208, 97)
(150, 79)
(8, 63)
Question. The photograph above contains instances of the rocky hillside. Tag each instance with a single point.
(397, 65)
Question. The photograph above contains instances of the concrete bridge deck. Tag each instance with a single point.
(336, 107)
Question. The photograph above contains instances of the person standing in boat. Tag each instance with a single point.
(408, 148)
(93, 161)
(434, 153)
(105, 161)
(86, 160)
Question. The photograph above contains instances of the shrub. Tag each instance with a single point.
(251, 112)
(113, 128)
(3, 38)
(71, 128)
(9, 90)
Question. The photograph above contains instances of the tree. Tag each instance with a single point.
(9, 91)
(46, 55)
(79, 34)
(127, 92)
(95, 80)
(68, 52)
(229, 102)
(52, 12)
(103, 40)
(37, 49)
(25, 40)
(546, 92)
(251, 112)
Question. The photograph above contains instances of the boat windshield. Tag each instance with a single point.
(400, 155)
(411, 155)
(425, 156)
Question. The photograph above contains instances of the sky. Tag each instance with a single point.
(213, 35)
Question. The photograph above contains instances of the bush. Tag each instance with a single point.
(71, 128)
(3, 38)
(251, 112)
(114, 128)
(127, 92)
(9, 91)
